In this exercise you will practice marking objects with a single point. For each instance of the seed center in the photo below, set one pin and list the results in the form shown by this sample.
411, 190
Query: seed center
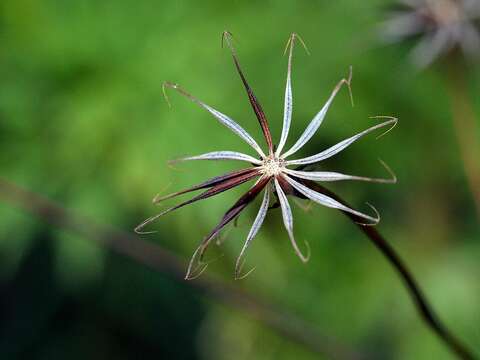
273, 166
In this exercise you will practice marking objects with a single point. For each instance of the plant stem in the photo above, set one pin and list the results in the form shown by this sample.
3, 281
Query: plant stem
464, 123
163, 261
422, 304
155, 257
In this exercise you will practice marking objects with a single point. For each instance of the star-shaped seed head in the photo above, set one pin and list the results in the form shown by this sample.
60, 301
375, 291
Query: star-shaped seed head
442, 27
271, 169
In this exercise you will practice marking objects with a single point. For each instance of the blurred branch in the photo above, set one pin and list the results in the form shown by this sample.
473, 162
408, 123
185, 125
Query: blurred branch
464, 123
161, 260
422, 304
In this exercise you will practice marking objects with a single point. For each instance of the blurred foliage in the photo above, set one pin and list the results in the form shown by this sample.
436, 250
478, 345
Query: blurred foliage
83, 121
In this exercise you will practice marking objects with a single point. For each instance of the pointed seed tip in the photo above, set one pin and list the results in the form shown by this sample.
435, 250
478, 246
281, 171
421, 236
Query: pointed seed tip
377, 214
290, 42
241, 277
226, 36
137, 231
303, 43
306, 258
393, 179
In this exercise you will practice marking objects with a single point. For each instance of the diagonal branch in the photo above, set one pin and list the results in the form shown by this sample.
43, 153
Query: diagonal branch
422, 304
465, 124
155, 257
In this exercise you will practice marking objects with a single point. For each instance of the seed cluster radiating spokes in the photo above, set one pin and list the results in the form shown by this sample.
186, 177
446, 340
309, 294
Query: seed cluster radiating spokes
271, 171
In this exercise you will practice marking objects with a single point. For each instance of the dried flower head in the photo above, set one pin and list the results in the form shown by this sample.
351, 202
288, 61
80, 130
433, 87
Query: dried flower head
441, 25
272, 169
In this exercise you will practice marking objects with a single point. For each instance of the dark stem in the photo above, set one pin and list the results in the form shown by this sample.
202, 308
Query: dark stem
424, 308
161, 260
257, 108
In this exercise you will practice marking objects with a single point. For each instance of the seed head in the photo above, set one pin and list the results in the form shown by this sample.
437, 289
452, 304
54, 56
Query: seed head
441, 27
272, 166
273, 171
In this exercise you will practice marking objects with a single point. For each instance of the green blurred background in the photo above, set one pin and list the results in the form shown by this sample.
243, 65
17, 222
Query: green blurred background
83, 121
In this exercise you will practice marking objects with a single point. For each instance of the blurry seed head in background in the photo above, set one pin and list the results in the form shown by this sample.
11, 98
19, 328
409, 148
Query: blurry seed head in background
438, 26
